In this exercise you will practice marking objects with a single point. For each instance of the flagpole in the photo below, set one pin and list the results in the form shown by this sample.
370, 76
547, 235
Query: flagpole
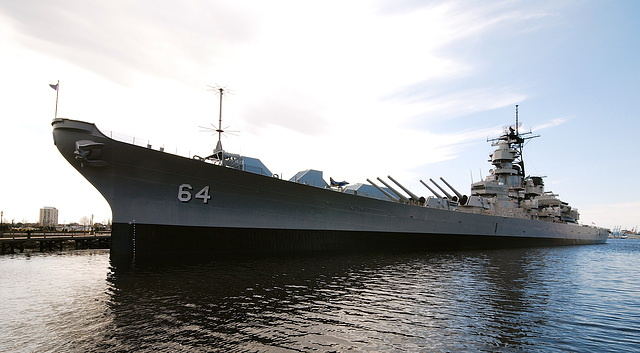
57, 93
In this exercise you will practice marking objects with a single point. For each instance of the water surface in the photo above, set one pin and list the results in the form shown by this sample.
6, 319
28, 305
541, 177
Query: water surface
579, 298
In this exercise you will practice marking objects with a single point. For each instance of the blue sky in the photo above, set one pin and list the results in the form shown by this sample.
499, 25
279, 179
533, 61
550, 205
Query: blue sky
359, 89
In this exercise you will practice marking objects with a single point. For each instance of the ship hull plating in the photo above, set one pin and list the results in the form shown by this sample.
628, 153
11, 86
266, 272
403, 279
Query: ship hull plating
154, 240
167, 204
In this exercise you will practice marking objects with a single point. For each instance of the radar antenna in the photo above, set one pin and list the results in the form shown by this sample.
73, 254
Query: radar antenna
516, 140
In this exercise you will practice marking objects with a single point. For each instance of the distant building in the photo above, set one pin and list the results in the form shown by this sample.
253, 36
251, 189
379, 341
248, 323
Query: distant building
48, 217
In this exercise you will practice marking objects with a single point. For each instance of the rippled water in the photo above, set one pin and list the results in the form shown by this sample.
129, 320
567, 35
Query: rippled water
582, 298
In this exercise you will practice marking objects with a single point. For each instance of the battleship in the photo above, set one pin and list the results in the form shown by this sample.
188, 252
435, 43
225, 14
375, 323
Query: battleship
226, 203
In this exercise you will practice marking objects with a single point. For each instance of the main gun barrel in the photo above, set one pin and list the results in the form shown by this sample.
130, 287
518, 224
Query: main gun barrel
430, 189
451, 187
462, 199
391, 197
413, 196
441, 189
404, 198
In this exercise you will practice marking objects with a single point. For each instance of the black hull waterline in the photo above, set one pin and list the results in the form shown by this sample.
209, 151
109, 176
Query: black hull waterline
185, 241
165, 204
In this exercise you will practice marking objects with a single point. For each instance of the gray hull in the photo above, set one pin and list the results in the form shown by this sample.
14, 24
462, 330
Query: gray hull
163, 203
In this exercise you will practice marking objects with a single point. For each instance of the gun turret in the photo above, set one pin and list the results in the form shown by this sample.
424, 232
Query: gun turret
462, 198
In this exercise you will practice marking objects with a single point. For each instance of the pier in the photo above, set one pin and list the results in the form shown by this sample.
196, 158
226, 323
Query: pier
49, 241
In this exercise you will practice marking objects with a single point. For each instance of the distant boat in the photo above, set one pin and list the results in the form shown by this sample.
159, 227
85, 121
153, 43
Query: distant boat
228, 203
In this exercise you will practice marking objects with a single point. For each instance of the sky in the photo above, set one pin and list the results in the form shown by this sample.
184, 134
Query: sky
357, 89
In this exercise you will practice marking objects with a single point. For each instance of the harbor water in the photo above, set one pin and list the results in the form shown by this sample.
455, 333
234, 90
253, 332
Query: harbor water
559, 299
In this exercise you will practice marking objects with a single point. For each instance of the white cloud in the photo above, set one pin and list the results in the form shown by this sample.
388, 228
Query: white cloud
551, 123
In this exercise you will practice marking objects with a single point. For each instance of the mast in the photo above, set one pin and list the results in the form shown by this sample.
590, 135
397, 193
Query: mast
57, 88
219, 130
516, 119
218, 151
57, 93
523, 175
519, 143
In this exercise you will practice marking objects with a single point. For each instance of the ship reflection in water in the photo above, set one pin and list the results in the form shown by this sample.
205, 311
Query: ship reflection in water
555, 299
486, 300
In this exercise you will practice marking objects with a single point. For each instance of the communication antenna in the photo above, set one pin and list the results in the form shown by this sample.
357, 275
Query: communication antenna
219, 90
